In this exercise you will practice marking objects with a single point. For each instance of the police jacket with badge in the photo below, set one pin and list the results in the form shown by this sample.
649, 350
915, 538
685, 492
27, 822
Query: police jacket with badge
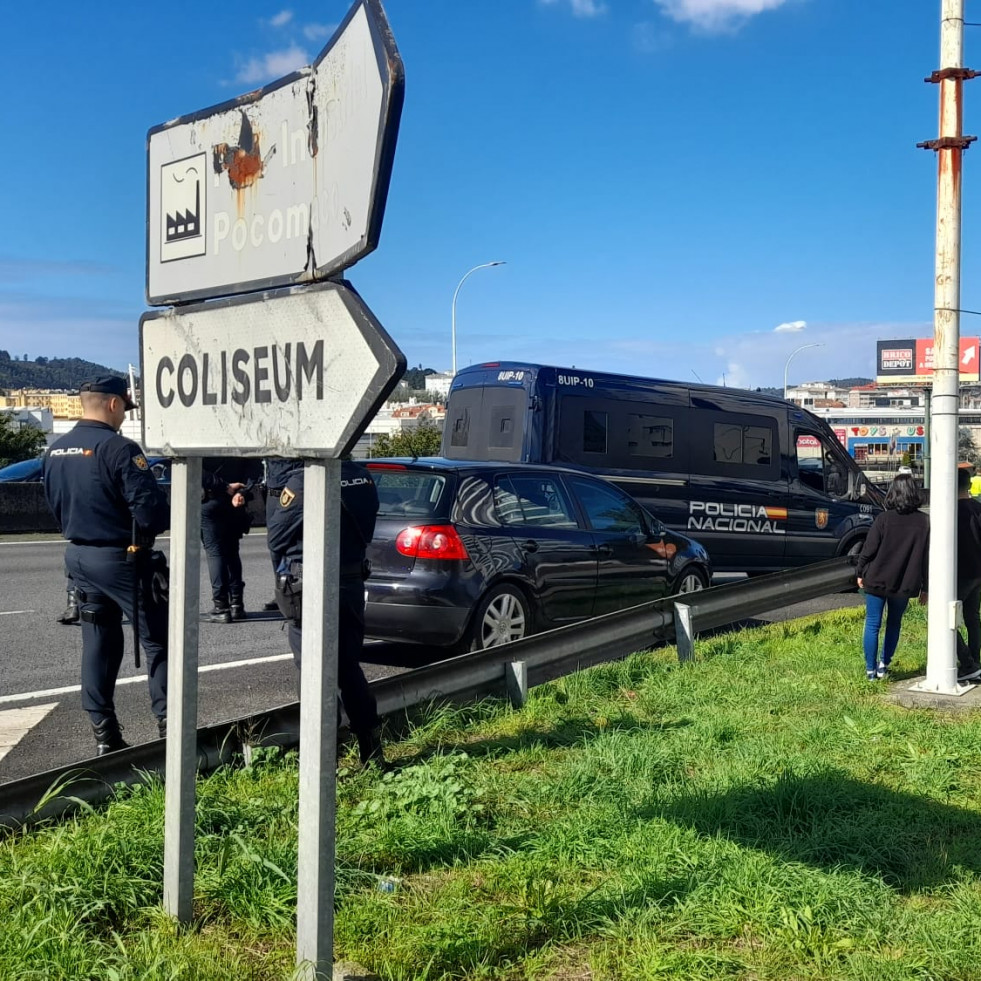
216, 474
97, 483
359, 508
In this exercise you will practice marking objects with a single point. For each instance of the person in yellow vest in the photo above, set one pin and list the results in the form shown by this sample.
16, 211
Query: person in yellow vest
976, 485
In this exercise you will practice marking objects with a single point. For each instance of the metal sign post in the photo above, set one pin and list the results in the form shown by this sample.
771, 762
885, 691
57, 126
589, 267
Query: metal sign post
318, 720
182, 688
282, 187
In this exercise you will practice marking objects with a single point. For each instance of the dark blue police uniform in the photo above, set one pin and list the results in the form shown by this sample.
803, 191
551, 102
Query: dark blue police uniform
278, 472
222, 527
97, 484
359, 508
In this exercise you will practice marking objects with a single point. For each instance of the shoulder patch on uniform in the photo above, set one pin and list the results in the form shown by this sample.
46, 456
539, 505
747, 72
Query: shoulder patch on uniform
139, 461
286, 498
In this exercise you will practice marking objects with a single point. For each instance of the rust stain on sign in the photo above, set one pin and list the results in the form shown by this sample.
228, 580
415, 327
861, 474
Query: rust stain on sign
243, 162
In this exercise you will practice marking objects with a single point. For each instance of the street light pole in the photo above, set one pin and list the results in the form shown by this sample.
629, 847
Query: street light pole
786, 367
483, 265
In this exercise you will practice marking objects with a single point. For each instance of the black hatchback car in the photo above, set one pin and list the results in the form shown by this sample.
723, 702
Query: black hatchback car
472, 555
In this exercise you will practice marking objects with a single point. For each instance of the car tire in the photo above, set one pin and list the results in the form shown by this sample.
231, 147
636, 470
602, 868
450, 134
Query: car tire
691, 580
502, 615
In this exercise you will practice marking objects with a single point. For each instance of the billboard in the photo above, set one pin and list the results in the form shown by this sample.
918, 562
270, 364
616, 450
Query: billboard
910, 362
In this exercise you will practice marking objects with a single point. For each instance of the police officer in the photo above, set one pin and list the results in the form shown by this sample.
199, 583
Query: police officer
224, 520
278, 472
70, 615
100, 489
359, 507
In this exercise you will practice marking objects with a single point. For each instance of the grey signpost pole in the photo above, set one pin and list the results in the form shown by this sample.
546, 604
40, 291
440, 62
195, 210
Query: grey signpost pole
318, 719
182, 687
297, 371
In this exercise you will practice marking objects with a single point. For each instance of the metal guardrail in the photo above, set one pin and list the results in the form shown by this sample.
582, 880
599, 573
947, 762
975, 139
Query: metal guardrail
498, 670
720, 605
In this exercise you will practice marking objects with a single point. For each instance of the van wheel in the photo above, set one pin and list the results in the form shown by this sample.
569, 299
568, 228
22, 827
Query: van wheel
503, 615
692, 580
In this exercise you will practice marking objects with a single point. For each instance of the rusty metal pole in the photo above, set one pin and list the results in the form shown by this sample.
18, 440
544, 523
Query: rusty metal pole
944, 609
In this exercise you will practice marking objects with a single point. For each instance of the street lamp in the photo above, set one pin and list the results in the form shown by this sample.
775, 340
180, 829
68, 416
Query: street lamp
803, 347
483, 265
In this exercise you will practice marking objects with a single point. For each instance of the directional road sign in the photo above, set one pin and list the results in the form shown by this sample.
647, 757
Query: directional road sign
284, 185
297, 373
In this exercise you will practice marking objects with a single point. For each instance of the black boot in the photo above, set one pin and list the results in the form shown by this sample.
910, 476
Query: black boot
237, 608
108, 736
71, 611
162, 727
220, 614
370, 748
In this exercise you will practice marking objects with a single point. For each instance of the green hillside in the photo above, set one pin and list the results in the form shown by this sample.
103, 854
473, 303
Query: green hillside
59, 373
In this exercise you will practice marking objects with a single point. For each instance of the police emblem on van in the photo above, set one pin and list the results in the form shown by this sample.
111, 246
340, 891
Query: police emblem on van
821, 518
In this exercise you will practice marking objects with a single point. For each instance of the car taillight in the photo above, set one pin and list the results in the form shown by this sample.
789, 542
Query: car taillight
431, 542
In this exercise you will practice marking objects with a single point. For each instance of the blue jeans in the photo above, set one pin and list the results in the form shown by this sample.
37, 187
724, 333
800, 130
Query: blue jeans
874, 608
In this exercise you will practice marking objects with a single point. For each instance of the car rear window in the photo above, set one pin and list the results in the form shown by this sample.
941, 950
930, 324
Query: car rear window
403, 493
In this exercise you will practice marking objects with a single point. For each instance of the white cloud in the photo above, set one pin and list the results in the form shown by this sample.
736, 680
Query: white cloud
715, 15
271, 66
580, 8
282, 18
648, 38
791, 327
318, 32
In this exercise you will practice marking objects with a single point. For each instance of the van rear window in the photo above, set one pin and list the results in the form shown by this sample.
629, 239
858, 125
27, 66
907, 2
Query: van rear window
485, 424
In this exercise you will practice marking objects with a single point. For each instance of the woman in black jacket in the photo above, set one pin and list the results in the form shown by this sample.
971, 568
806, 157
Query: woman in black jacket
892, 568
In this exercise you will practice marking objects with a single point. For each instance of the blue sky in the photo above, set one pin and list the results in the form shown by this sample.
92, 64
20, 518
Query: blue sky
668, 181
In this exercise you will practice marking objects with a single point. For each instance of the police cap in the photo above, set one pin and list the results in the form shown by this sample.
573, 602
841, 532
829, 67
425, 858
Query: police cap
110, 385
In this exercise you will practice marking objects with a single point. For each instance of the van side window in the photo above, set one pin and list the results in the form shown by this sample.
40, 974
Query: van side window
748, 445
649, 435
594, 431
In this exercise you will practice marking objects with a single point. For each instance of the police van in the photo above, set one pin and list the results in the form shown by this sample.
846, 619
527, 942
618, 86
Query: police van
763, 484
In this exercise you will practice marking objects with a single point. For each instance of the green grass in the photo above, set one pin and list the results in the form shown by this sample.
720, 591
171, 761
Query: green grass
764, 813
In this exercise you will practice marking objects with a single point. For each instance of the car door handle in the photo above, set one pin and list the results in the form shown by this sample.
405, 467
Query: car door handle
530, 545
605, 550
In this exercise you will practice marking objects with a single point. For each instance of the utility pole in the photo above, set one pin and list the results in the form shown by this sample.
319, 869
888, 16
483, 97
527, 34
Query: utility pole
944, 609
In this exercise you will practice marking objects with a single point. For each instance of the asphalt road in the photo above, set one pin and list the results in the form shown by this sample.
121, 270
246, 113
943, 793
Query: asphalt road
245, 667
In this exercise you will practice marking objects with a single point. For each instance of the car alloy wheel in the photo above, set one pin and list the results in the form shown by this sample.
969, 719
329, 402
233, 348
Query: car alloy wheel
690, 581
503, 616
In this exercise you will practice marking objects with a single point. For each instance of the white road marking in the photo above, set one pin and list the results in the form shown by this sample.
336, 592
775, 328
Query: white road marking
15, 724
28, 696
10, 613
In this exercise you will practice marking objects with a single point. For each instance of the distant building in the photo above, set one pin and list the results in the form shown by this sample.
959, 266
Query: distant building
399, 417
63, 404
439, 383
810, 394
39, 418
